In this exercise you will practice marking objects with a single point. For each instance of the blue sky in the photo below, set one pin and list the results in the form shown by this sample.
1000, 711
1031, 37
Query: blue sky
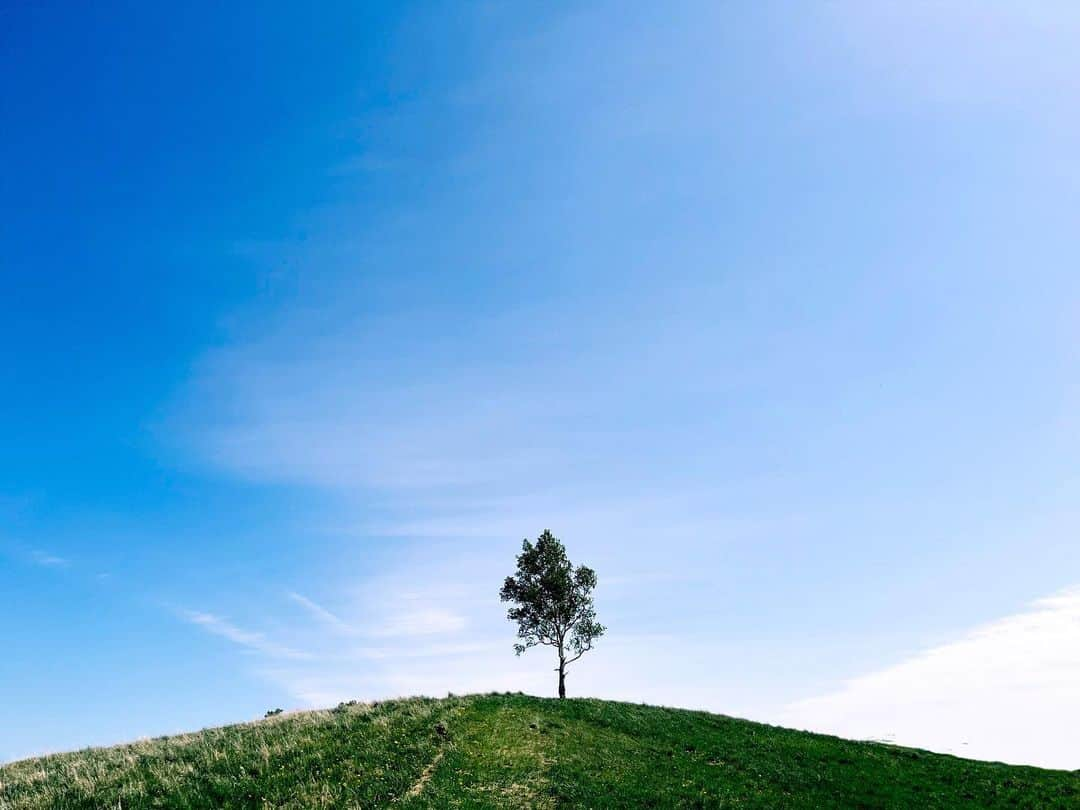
309, 316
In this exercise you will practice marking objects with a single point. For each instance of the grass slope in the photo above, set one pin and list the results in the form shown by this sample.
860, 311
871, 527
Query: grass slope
517, 751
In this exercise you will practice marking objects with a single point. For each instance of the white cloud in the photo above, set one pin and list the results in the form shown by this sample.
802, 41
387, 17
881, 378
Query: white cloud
254, 641
1008, 690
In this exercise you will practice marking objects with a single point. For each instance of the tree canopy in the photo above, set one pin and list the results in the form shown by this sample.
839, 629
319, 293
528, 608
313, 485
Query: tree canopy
552, 602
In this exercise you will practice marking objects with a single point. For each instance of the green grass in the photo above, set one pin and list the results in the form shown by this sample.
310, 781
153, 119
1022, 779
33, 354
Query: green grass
516, 751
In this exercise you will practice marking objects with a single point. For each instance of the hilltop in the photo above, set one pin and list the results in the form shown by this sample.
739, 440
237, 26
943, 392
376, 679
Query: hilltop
508, 751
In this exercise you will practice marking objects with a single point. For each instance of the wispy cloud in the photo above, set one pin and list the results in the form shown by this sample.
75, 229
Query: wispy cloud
251, 640
998, 692
413, 621
423, 651
366, 163
47, 560
332, 621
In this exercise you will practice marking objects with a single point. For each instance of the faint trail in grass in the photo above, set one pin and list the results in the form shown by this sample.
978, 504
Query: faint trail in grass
497, 758
425, 777
526, 754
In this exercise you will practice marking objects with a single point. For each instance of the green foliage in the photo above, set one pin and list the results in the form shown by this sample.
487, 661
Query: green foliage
552, 602
512, 751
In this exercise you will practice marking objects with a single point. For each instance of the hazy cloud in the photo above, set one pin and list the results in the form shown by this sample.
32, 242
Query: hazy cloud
428, 621
1003, 691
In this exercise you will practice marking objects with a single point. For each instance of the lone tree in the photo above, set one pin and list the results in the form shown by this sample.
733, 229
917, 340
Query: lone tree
553, 602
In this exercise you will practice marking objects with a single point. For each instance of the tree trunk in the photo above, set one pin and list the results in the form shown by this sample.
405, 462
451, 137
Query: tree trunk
562, 679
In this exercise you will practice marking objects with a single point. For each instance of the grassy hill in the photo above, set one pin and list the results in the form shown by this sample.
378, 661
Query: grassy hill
516, 751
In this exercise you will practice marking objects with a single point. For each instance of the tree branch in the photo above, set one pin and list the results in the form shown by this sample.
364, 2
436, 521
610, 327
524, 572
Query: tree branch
583, 651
